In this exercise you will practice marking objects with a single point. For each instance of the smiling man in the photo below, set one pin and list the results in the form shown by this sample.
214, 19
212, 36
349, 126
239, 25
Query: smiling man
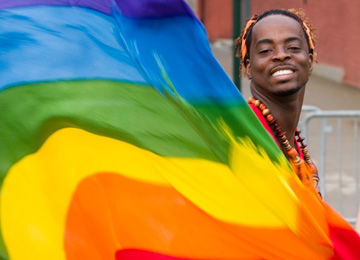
276, 50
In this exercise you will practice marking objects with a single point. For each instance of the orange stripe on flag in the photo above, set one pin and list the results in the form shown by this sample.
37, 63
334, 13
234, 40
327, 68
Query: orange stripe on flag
110, 212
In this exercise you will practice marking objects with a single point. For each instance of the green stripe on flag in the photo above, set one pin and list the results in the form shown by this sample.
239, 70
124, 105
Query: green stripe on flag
136, 114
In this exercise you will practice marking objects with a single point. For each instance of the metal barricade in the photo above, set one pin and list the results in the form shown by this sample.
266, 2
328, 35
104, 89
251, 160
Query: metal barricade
333, 141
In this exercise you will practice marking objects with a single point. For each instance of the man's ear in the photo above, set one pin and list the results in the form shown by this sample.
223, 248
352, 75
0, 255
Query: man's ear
248, 69
311, 62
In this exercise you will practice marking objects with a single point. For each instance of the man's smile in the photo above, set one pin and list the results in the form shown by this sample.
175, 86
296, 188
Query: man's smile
282, 72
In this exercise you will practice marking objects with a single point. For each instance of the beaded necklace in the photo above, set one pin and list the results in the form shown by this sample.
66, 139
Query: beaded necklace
301, 166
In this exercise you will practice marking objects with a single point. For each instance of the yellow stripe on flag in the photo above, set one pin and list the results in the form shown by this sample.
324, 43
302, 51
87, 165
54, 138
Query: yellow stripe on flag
38, 190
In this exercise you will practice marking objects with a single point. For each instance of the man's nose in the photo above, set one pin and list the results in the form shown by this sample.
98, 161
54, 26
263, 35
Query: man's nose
280, 54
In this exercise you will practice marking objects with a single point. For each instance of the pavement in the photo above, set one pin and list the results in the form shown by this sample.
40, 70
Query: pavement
341, 157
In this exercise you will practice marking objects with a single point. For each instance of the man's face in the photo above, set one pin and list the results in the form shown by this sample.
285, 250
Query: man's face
280, 62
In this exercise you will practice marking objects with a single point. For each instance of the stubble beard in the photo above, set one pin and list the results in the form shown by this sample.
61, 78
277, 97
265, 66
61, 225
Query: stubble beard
287, 92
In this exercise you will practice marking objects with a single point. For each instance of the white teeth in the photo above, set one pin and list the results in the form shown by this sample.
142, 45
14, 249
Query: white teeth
282, 72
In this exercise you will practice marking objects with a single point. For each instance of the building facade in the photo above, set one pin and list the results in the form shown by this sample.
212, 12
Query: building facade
336, 22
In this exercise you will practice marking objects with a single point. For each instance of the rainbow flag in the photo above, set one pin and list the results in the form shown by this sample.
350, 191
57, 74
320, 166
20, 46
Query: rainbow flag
122, 138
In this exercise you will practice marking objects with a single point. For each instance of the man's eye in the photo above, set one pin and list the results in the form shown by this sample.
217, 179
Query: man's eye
294, 48
264, 51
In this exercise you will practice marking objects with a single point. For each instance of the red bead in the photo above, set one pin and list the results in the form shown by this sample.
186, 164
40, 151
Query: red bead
270, 118
281, 133
272, 122
262, 107
301, 139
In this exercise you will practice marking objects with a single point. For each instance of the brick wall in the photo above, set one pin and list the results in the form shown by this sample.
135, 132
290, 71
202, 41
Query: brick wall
337, 23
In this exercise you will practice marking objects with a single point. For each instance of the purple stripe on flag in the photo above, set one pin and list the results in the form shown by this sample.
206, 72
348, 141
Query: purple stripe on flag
129, 8
98, 5
153, 8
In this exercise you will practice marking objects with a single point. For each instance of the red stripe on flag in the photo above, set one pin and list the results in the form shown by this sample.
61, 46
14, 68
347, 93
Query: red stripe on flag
135, 254
346, 244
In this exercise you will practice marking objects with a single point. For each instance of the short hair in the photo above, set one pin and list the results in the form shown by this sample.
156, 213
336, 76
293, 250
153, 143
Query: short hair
243, 42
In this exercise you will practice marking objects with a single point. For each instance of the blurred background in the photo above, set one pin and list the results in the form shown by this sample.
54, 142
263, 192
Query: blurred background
331, 115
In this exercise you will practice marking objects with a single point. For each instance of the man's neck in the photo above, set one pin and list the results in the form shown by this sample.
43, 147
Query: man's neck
285, 109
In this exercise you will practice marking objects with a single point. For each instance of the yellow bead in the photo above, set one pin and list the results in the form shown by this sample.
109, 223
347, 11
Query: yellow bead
265, 112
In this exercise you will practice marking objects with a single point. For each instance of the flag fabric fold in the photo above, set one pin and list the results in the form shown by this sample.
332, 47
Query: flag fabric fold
123, 138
